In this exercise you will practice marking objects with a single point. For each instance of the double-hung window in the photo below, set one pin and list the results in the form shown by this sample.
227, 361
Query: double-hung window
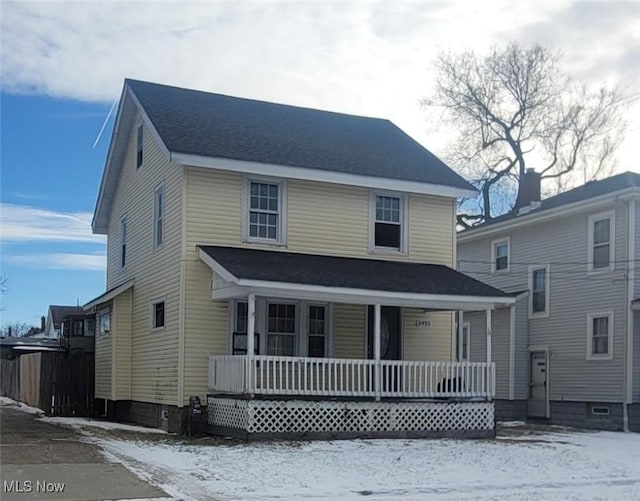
265, 211
158, 216
388, 223
500, 254
281, 329
601, 231
600, 335
123, 241
539, 291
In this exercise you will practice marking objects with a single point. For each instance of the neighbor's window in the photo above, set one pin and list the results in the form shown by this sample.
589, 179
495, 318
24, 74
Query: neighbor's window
601, 241
539, 290
123, 241
600, 335
265, 211
501, 255
388, 222
158, 216
77, 329
140, 146
89, 327
281, 329
317, 339
157, 314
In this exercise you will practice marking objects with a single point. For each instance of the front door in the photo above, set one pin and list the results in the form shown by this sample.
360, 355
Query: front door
538, 385
389, 333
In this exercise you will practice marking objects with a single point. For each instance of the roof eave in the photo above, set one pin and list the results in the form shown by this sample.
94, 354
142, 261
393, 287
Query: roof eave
547, 214
321, 175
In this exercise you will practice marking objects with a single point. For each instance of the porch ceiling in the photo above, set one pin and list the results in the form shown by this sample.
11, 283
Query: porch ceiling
348, 280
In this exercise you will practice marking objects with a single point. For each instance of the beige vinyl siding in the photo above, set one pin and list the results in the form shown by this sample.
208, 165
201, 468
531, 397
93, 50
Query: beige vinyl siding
426, 343
122, 345
154, 354
103, 365
349, 331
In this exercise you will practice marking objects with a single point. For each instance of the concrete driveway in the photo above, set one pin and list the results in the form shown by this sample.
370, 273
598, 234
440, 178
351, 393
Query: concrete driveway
45, 461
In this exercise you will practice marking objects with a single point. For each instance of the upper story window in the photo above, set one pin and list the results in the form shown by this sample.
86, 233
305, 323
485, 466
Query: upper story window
265, 211
140, 145
539, 291
388, 229
601, 232
158, 216
123, 241
500, 255
600, 335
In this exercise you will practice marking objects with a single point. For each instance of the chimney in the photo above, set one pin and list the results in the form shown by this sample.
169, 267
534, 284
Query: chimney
529, 191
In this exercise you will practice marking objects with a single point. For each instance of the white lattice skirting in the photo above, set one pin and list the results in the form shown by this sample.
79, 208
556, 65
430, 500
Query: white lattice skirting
278, 417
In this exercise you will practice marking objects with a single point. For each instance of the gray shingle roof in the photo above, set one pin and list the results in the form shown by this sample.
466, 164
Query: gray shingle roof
332, 271
581, 193
215, 125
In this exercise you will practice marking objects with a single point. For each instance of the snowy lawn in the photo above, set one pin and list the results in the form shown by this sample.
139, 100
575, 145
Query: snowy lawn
522, 464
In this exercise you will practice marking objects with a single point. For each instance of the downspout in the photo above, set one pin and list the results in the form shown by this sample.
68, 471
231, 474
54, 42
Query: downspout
631, 271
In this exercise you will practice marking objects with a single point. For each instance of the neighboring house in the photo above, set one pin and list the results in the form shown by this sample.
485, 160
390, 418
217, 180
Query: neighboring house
330, 237
72, 323
569, 350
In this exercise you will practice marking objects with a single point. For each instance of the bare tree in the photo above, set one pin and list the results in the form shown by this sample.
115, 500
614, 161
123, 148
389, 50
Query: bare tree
15, 329
514, 109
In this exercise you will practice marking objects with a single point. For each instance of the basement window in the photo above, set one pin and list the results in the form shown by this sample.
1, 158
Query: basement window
600, 410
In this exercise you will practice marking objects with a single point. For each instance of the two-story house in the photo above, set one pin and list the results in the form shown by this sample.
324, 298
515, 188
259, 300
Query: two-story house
569, 350
330, 238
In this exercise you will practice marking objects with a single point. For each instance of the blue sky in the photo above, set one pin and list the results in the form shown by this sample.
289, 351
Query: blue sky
50, 177
63, 65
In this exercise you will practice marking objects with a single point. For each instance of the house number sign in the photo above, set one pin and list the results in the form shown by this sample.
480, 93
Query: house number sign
423, 323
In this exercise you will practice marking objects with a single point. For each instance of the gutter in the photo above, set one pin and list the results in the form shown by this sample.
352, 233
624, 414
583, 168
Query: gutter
631, 278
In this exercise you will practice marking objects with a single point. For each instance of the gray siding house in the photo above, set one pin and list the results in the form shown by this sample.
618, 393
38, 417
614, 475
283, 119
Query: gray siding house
569, 349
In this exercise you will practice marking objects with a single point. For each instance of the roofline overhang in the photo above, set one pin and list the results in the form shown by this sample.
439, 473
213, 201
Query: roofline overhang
631, 192
234, 287
109, 295
320, 175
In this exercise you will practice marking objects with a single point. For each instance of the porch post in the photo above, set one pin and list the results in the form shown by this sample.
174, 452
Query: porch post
460, 336
489, 371
376, 351
251, 327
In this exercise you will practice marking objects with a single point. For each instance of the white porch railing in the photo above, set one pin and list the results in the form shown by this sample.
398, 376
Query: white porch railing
341, 377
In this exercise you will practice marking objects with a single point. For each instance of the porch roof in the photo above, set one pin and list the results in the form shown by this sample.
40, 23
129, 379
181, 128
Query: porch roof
345, 279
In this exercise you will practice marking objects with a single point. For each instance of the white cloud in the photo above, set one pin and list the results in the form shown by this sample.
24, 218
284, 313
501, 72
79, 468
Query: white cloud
66, 261
370, 58
20, 223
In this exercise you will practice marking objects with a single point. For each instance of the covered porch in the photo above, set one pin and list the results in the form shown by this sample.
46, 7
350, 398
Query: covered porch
401, 393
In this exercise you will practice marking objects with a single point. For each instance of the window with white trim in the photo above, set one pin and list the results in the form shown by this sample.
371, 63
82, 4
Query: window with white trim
240, 322
104, 321
463, 342
500, 255
388, 222
140, 145
601, 231
123, 241
600, 335
538, 291
317, 331
265, 211
157, 314
281, 329
158, 216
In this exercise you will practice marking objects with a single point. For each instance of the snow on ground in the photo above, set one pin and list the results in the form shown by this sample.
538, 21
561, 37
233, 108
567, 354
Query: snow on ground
20, 406
104, 425
520, 465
